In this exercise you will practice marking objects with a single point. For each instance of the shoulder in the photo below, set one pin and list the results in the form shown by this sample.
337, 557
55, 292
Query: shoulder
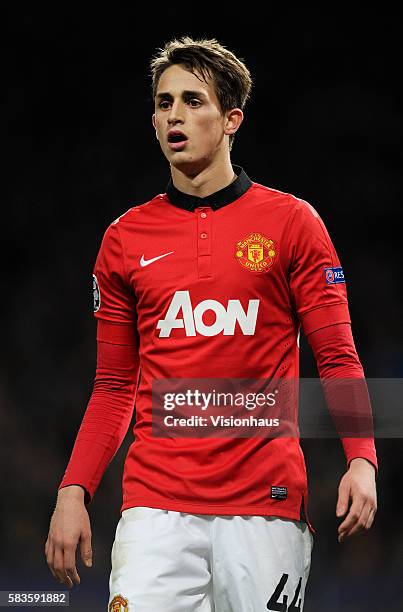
282, 198
131, 215
113, 238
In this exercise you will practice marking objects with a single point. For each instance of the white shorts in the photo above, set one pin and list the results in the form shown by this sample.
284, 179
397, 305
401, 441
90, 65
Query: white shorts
169, 561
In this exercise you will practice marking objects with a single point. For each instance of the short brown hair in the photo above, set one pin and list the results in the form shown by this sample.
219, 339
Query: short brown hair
231, 78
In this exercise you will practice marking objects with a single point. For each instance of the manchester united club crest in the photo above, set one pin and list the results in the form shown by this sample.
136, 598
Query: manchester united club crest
118, 604
256, 252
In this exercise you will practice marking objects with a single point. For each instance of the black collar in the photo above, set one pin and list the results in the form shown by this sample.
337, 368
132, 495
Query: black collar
220, 198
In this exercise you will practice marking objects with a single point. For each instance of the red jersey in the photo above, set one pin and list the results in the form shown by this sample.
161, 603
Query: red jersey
217, 287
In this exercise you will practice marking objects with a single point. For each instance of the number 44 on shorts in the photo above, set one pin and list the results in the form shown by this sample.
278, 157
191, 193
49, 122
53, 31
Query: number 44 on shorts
274, 604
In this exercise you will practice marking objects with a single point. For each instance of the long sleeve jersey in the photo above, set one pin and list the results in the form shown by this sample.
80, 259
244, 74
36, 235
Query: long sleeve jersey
215, 287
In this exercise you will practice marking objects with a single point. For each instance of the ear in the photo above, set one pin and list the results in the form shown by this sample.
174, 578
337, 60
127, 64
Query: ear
153, 120
234, 118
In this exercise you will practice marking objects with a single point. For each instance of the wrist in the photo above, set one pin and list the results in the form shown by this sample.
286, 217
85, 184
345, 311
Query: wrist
361, 461
72, 492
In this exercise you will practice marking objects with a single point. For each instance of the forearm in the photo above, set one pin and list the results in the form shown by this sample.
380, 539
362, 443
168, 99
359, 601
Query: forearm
107, 417
345, 390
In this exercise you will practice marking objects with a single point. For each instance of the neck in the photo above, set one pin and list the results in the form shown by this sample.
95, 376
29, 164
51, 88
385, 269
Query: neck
212, 178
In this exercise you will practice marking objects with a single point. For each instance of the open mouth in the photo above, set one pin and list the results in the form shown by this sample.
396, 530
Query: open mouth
177, 140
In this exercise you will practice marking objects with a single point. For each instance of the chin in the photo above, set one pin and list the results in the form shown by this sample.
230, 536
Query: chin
187, 163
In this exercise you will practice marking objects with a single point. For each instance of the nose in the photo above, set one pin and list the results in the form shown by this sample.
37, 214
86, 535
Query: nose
176, 114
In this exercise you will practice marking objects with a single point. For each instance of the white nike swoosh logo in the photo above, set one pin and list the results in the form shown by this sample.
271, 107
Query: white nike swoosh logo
146, 262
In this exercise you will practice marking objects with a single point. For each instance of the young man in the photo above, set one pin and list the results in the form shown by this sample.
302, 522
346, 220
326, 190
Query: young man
212, 279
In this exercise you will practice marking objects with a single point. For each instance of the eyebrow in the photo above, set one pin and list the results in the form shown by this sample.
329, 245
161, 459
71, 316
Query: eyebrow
187, 92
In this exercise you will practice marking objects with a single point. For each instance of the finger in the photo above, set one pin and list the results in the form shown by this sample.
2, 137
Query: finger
70, 564
351, 518
360, 524
59, 568
353, 514
86, 550
50, 559
370, 518
342, 501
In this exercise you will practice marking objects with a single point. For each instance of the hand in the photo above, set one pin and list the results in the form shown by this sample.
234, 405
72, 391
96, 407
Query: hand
358, 483
69, 525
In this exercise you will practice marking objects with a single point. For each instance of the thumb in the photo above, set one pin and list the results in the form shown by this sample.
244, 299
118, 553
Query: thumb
342, 502
86, 550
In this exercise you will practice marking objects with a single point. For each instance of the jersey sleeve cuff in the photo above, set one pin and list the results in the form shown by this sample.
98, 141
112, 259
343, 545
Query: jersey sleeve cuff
360, 447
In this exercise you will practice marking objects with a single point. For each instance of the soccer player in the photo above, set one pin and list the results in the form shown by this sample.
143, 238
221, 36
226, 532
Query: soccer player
212, 279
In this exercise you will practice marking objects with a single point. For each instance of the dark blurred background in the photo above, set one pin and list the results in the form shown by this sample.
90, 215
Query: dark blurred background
324, 122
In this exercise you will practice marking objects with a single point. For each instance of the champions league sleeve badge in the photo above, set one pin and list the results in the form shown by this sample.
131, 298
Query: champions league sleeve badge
334, 276
97, 293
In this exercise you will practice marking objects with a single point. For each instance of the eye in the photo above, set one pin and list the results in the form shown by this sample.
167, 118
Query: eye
197, 102
163, 102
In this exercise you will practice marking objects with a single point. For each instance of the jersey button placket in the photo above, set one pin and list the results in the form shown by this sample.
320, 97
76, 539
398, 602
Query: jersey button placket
204, 235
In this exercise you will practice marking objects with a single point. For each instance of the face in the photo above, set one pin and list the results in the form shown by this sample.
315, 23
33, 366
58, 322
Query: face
185, 104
